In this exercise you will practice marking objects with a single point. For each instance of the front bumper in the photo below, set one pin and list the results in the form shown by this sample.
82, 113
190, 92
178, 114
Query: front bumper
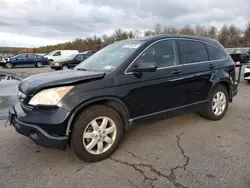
2, 64
37, 132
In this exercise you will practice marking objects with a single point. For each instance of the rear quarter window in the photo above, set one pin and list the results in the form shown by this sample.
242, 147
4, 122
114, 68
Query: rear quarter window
215, 53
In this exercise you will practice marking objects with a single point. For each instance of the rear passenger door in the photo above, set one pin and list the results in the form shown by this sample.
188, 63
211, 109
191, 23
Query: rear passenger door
30, 59
197, 68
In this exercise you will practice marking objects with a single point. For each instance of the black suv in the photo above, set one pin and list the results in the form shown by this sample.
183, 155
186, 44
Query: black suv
71, 61
91, 106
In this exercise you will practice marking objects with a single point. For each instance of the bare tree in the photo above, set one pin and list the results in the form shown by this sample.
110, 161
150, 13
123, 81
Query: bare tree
201, 31
187, 30
223, 36
158, 29
212, 32
246, 36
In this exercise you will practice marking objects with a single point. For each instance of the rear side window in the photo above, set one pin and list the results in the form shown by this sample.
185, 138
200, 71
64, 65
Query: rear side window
215, 53
192, 51
31, 56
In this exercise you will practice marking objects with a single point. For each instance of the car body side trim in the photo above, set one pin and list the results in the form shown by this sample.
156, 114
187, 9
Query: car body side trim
164, 111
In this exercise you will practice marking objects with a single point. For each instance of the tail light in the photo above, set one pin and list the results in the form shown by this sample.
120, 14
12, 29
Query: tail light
46, 58
234, 67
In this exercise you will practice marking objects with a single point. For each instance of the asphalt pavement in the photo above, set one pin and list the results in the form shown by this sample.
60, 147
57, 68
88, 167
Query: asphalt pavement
183, 151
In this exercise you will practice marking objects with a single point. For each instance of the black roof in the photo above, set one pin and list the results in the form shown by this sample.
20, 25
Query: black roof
159, 37
170, 36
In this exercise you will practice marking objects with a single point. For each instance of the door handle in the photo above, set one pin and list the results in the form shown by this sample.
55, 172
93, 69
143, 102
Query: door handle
176, 71
211, 66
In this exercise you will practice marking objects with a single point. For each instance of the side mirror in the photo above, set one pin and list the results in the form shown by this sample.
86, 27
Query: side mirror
144, 67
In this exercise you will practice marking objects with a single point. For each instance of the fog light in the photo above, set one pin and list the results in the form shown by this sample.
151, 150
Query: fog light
33, 135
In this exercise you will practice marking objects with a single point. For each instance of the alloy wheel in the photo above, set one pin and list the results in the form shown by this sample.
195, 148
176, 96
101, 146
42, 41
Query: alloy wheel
99, 135
219, 103
39, 64
9, 65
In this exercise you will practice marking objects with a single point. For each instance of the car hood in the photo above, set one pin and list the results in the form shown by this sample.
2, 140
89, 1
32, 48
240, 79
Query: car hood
35, 83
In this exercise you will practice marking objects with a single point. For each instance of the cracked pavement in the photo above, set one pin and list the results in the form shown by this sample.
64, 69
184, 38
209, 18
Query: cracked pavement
179, 152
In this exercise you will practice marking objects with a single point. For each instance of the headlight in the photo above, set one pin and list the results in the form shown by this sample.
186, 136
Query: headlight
50, 96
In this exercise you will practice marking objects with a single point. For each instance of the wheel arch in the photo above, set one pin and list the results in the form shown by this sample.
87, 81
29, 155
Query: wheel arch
227, 84
111, 102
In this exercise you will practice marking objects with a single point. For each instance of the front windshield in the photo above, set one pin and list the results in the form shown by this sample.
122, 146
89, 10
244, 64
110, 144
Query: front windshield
71, 56
51, 53
240, 51
110, 57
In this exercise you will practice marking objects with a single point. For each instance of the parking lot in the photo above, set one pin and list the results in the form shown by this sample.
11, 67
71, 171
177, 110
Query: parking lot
183, 151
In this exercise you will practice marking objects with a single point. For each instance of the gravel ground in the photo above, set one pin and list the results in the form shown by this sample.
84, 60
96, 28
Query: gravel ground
183, 151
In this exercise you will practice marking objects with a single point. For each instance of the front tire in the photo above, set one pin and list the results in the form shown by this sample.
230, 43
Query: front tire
217, 104
96, 133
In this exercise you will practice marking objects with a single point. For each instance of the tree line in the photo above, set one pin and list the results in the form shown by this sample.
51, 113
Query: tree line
230, 36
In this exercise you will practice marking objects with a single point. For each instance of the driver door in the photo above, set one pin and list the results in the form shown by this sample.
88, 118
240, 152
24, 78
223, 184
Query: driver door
57, 55
160, 91
78, 59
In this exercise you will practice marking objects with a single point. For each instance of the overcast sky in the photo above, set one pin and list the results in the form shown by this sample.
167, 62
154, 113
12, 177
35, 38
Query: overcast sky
34, 23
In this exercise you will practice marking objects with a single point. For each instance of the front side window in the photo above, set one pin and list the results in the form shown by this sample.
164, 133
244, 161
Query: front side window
21, 56
215, 53
110, 57
79, 57
57, 53
163, 53
192, 51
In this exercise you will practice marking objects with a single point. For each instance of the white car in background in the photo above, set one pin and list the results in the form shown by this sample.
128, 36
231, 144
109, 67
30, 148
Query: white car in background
247, 73
57, 55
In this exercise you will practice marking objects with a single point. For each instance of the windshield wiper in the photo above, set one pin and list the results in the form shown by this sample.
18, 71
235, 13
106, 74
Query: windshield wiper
81, 69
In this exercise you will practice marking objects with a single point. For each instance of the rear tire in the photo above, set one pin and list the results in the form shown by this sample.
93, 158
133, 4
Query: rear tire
39, 64
9, 65
217, 104
91, 140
